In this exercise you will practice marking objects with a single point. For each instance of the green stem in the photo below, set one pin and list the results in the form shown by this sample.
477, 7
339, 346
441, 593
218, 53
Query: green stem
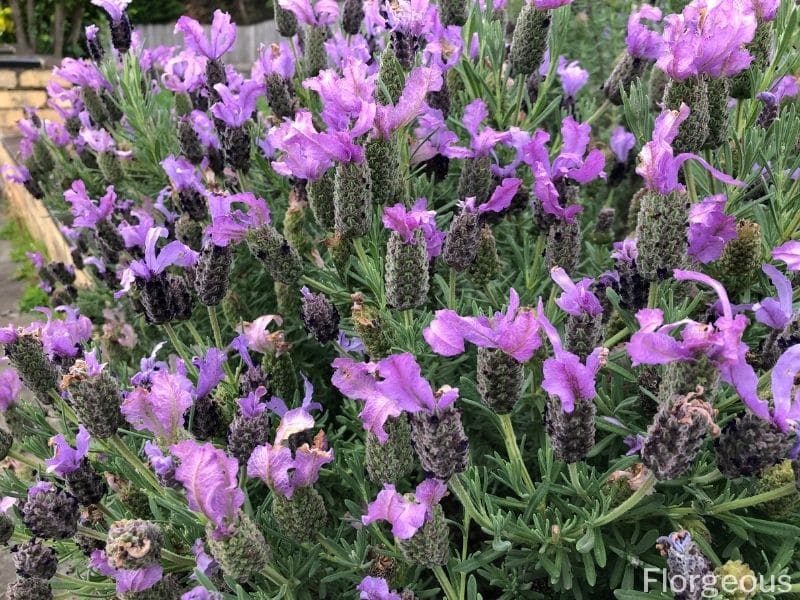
599, 112
514, 455
176, 344
91, 533
775, 494
574, 478
24, 460
274, 576
652, 295
616, 338
451, 290
212, 315
178, 560
444, 581
631, 502
134, 461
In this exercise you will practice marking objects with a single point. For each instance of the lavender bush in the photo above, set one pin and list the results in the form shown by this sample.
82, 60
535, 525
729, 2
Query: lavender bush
436, 301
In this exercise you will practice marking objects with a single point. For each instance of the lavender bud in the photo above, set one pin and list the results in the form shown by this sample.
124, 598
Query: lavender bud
34, 559
121, 34
315, 56
212, 273
302, 516
462, 241
282, 374
383, 159
352, 199
85, 484
748, 445
440, 442
133, 544
370, 328
391, 78
529, 41
571, 434
191, 147
295, 221
6, 528
243, 553
455, 87
740, 262
487, 263
440, 99
279, 96
281, 260
563, 245
718, 113
769, 112
677, 433
6, 441
94, 105
430, 545
207, 421
500, 379
760, 49
352, 16
685, 562
661, 234
236, 142
41, 155
693, 92
476, 179
406, 277
604, 225
394, 459
36, 371
51, 514
405, 48
320, 317
320, 199
774, 478
627, 70
215, 73
189, 231
454, 12
109, 241
96, 399
29, 588
246, 433
285, 20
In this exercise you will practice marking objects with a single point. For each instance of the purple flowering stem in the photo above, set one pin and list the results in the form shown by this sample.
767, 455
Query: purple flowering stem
514, 455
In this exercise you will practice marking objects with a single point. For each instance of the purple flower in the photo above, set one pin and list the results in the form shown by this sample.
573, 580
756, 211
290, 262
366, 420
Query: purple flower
129, 581
160, 409
643, 42
205, 563
210, 478
406, 515
572, 76
388, 388
63, 337
621, 143
174, 253
376, 588
82, 73
515, 331
163, 466
785, 87
707, 38
280, 468
15, 174
772, 312
721, 342
10, 387
57, 133
114, 8
657, 163
257, 336
411, 17
66, 459
313, 12
98, 140
569, 164
209, 371
136, 235
482, 139
347, 98
204, 128
431, 137
550, 4
766, 10
86, 213
785, 393
236, 109
411, 103
710, 229
444, 45
274, 59
229, 224
500, 200
565, 376
200, 593
184, 73
577, 299
406, 222
39, 487
222, 38
789, 253
251, 406
181, 173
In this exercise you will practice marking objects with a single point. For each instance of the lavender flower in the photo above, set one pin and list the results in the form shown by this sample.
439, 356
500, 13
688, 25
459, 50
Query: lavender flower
221, 39
407, 516
572, 77
85, 212
657, 163
229, 224
209, 371
184, 73
129, 581
66, 459
406, 222
210, 478
772, 312
641, 41
313, 12
155, 263
571, 163
275, 59
515, 331
10, 387
577, 299
789, 253
376, 588
161, 408
710, 229
621, 144
482, 139
236, 109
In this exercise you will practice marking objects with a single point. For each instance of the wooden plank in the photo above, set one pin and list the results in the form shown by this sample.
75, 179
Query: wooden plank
37, 220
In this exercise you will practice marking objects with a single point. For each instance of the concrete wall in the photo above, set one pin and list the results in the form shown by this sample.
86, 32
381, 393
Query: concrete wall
243, 53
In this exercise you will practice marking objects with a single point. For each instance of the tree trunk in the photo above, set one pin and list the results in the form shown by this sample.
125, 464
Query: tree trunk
31, 19
76, 20
22, 45
58, 30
